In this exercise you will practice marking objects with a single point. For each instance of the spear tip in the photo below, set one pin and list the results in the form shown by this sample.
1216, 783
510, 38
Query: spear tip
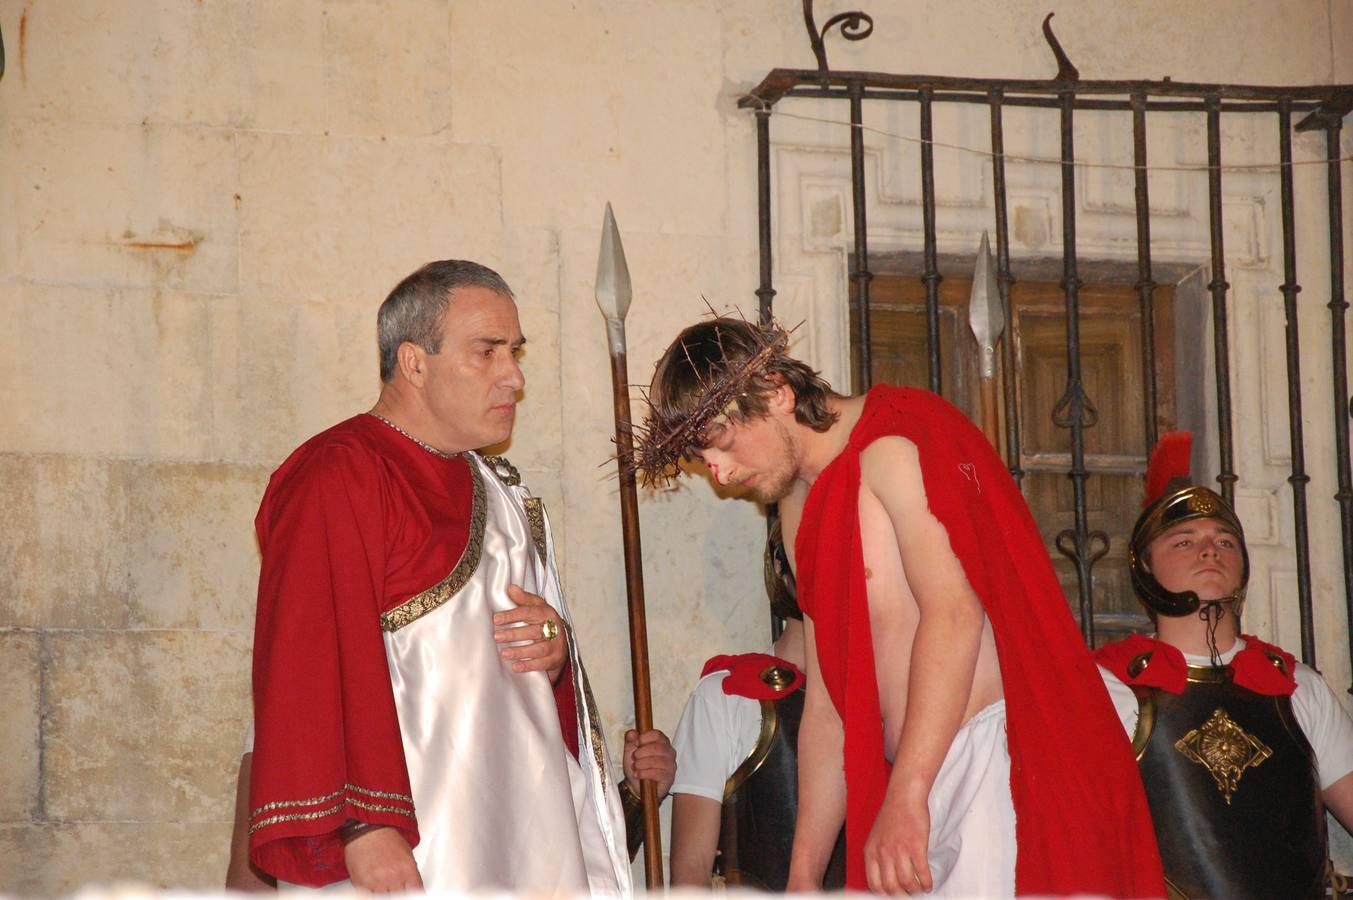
613, 289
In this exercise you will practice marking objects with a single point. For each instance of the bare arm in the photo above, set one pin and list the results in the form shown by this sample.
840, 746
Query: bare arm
822, 782
944, 658
1339, 801
695, 839
241, 874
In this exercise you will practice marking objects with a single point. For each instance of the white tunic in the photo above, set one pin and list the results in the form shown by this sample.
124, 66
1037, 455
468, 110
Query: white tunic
500, 801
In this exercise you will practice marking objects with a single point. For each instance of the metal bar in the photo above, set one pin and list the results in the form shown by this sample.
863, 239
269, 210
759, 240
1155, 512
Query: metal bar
1072, 409
779, 81
1146, 286
1004, 280
911, 96
931, 274
1226, 475
1338, 308
864, 371
1298, 479
765, 294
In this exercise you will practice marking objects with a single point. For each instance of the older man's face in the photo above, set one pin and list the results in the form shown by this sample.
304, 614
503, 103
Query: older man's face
472, 384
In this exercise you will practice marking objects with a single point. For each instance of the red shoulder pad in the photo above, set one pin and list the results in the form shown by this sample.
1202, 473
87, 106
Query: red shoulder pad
1164, 666
1265, 668
758, 676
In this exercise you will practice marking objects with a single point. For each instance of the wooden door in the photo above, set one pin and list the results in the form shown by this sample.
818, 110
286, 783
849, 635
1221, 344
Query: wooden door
1115, 447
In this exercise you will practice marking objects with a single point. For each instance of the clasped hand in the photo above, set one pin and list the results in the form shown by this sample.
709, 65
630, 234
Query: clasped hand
528, 623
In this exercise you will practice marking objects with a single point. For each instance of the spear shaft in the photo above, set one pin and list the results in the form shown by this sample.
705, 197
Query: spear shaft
613, 296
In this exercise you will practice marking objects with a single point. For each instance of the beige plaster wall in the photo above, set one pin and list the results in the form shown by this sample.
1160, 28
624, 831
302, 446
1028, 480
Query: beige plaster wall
202, 202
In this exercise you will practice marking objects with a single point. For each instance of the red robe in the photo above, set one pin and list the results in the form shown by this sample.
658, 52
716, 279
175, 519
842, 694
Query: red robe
356, 521
1082, 823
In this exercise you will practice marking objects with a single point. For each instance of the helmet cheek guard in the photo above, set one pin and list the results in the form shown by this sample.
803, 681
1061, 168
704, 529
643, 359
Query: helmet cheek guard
1175, 506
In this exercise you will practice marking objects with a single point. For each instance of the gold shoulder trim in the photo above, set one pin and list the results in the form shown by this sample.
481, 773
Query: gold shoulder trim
425, 602
503, 469
535, 517
770, 724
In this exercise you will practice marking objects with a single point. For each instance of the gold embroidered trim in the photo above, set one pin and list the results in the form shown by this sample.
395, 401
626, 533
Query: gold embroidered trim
312, 801
329, 798
506, 472
425, 602
1225, 749
594, 726
535, 516
321, 813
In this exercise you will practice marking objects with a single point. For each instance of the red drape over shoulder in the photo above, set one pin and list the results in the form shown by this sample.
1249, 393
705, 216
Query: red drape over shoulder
1082, 823
356, 521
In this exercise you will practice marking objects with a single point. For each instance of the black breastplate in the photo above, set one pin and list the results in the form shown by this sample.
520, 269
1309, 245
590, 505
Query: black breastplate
760, 805
1233, 791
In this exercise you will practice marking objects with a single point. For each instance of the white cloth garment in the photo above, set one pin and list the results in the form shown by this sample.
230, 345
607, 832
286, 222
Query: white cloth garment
717, 732
972, 817
1322, 719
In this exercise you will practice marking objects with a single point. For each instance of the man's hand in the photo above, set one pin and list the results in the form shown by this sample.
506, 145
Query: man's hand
381, 862
528, 623
895, 856
649, 756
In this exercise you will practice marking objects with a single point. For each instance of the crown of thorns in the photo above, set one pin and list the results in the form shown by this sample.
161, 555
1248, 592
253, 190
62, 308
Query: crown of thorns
664, 440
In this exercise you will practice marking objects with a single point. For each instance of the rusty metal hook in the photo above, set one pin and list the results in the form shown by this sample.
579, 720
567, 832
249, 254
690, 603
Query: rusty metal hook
1065, 70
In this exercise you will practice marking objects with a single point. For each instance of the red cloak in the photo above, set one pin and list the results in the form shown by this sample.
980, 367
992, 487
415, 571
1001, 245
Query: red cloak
1082, 825
1252, 668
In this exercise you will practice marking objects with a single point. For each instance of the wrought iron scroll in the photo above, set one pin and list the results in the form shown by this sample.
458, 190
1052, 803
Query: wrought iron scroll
1004, 281
855, 26
1298, 479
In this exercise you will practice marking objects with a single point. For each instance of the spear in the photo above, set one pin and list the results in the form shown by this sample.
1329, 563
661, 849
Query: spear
613, 296
987, 319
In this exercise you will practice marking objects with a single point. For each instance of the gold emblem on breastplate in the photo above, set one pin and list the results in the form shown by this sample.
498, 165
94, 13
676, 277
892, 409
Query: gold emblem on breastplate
1225, 749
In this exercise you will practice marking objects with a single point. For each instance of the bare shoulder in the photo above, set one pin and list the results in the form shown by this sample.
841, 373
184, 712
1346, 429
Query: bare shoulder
890, 469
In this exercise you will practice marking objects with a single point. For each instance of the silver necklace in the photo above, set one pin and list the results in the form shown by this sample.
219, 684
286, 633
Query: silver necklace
426, 446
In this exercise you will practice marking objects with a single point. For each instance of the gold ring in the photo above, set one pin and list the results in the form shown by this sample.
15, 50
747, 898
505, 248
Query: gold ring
548, 630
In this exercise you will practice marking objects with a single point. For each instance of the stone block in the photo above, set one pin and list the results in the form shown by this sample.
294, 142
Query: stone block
284, 369
283, 66
57, 860
335, 217
185, 554
652, 136
388, 70
132, 378
120, 205
55, 566
92, 61
20, 685
144, 726
188, 544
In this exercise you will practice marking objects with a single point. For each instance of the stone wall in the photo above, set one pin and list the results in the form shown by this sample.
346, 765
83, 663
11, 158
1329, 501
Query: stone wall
203, 201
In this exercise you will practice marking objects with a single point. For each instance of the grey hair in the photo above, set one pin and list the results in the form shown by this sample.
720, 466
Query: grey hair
415, 309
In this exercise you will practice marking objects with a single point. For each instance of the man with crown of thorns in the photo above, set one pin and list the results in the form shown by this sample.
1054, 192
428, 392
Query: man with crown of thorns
954, 718
1241, 748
